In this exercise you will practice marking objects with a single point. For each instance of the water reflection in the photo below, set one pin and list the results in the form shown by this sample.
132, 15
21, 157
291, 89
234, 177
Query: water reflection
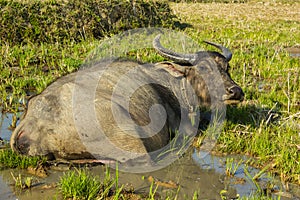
248, 187
5, 122
5, 191
5, 133
218, 164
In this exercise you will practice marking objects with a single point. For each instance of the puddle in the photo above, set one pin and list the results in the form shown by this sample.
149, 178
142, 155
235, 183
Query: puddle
5, 122
243, 184
205, 175
40, 189
5, 190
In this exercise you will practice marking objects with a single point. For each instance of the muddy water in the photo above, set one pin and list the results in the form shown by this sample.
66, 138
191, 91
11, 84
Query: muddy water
191, 173
190, 176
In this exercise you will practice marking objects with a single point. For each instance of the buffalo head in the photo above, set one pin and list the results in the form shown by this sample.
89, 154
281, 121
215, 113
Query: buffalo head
200, 69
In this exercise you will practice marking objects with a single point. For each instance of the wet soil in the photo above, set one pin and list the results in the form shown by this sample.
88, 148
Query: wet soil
182, 178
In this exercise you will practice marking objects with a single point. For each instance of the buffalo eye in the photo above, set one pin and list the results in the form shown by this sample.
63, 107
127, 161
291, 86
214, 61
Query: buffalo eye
204, 68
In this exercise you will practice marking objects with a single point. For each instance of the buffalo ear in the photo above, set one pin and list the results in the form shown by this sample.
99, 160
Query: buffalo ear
174, 69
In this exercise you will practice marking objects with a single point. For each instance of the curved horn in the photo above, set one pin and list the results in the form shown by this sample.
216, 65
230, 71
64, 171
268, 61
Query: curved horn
225, 51
177, 57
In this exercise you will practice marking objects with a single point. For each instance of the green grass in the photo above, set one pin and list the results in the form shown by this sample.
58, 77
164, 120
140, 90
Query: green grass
22, 182
79, 184
266, 125
10, 159
30, 68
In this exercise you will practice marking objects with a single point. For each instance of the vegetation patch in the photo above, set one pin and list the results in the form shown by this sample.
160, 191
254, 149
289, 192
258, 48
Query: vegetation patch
10, 159
57, 21
27, 69
266, 125
81, 184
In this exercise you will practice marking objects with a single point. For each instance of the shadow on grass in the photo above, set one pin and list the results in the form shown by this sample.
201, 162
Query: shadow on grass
182, 25
251, 115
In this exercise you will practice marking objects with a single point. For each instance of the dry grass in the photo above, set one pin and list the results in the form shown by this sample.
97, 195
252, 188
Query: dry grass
245, 11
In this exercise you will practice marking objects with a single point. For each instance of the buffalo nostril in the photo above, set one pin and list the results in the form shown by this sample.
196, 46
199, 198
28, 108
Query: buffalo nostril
22, 143
234, 90
236, 93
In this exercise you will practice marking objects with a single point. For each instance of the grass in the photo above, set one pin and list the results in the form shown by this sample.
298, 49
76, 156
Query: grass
80, 184
21, 182
231, 166
27, 69
265, 126
10, 159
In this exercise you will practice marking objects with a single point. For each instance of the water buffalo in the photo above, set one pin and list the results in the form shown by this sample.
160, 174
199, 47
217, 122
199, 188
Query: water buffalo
50, 126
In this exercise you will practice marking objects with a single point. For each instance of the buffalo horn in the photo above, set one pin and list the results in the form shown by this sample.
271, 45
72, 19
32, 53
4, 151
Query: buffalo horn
177, 57
225, 51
